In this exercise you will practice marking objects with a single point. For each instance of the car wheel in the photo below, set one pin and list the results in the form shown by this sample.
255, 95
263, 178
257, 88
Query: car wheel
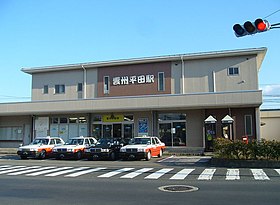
113, 156
79, 155
23, 157
160, 153
43, 154
149, 156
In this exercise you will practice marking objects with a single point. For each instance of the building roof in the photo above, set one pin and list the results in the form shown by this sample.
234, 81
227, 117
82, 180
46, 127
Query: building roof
260, 52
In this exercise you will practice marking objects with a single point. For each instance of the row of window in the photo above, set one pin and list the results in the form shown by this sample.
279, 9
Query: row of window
60, 88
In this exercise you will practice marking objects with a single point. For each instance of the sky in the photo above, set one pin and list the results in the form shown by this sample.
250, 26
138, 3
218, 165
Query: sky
37, 33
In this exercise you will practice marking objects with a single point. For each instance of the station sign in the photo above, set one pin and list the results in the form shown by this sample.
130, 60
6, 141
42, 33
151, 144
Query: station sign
135, 79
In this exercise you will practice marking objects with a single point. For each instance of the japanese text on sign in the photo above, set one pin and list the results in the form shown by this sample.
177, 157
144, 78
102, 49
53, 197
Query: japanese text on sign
140, 79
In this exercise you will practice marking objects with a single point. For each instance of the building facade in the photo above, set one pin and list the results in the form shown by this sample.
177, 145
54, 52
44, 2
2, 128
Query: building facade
270, 121
186, 100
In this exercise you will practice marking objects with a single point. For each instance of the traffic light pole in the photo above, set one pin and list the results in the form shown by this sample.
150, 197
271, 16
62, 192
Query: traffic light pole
276, 25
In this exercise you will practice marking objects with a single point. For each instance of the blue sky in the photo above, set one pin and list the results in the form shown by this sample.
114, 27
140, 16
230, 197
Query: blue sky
38, 33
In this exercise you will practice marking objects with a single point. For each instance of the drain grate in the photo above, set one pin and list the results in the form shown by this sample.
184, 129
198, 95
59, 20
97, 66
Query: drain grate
178, 188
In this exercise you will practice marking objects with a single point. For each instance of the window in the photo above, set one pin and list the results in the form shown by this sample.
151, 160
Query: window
52, 142
58, 141
233, 71
54, 120
106, 84
80, 87
161, 84
248, 125
73, 119
46, 89
59, 89
63, 120
86, 142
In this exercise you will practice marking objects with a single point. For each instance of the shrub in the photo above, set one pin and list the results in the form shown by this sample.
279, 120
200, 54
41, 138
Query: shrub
257, 150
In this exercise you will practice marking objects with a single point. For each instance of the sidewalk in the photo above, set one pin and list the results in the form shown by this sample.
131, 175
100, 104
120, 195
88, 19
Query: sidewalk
186, 160
8, 151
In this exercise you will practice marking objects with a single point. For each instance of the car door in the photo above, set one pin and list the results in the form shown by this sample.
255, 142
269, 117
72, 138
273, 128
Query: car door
51, 145
155, 150
158, 145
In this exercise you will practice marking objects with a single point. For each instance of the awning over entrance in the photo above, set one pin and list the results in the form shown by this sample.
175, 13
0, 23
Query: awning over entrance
227, 119
210, 119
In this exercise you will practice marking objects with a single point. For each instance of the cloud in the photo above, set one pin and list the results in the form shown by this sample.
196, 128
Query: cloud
271, 89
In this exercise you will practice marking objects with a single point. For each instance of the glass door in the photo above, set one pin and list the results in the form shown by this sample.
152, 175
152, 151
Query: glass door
165, 134
179, 133
107, 131
127, 132
117, 131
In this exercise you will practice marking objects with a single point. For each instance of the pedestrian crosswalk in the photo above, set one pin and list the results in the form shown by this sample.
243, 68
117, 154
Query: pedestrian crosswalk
147, 173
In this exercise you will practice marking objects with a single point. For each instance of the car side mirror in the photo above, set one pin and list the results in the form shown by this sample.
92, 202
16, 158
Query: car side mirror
20, 145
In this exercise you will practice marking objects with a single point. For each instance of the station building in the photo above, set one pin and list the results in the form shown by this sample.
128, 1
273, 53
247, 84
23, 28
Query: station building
186, 100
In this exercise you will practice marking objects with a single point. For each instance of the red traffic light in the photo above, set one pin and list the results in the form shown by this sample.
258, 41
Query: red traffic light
261, 25
250, 28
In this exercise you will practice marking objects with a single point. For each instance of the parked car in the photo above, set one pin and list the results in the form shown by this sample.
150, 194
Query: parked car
73, 148
41, 147
105, 148
142, 148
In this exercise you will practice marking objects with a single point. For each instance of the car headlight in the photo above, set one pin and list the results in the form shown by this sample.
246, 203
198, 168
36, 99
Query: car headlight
141, 150
70, 150
19, 149
33, 149
54, 150
104, 150
86, 150
122, 150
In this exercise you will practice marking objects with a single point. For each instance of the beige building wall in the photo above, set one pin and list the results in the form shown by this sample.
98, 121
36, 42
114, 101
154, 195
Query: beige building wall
70, 79
211, 75
195, 123
270, 125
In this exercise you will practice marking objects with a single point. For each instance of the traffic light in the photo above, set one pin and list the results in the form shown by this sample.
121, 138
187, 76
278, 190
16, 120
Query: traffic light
249, 28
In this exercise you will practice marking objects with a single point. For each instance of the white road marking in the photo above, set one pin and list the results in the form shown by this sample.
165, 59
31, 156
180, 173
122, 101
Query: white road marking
277, 170
76, 174
48, 171
182, 174
113, 173
207, 174
30, 170
158, 174
7, 168
136, 173
66, 171
259, 174
232, 174
18, 169
162, 160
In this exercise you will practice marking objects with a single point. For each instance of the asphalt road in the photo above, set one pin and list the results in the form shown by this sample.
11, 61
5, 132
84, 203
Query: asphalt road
92, 189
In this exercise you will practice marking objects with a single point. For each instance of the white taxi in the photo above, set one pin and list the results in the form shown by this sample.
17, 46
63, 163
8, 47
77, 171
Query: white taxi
142, 148
74, 147
41, 147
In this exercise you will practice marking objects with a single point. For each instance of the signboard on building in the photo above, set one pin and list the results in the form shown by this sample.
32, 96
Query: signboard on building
112, 118
139, 79
143, 128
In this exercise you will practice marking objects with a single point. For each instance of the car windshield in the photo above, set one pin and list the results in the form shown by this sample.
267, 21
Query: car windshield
40, 141
104, 141
75, 142
135, 141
